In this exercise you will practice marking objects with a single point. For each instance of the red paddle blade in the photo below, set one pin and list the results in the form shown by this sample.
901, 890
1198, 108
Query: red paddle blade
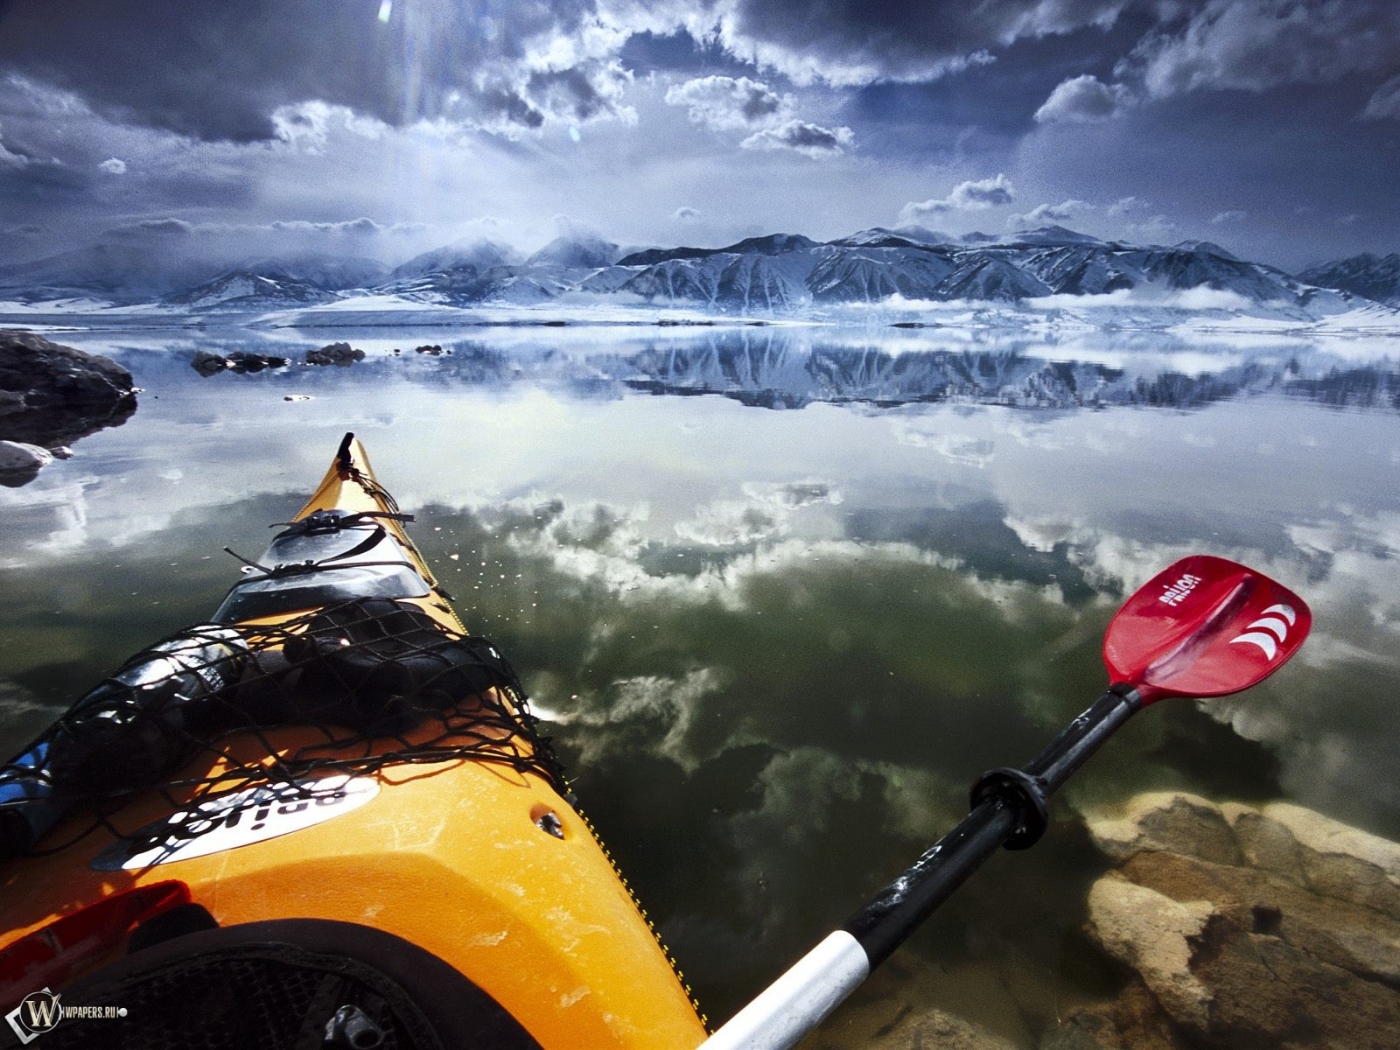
1204, 627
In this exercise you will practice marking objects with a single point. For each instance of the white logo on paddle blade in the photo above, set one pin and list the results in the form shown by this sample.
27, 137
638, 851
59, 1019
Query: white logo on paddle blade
1272, 629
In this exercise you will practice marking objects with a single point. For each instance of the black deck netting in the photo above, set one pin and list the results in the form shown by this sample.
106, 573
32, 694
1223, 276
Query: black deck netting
373, 682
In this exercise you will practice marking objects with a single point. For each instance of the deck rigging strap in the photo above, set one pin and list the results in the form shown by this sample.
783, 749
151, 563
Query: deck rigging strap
377, 681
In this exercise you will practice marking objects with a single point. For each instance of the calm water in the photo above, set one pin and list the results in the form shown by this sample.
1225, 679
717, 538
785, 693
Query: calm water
784, 593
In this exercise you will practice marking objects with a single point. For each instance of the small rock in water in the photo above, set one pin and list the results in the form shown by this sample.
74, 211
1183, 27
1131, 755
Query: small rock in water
341, 354
435, 350
209, 364
240, 362
296, 397
20, 462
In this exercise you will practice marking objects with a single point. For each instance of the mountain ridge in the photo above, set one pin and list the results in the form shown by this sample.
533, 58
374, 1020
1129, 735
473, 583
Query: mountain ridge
778, 273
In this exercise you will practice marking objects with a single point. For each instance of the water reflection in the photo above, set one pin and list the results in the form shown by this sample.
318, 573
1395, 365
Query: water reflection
776, 646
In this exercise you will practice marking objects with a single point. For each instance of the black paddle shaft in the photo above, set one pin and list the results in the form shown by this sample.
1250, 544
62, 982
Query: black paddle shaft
1008, 808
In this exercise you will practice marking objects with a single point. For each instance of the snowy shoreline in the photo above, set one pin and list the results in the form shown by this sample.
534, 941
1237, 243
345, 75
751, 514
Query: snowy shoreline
1370, 320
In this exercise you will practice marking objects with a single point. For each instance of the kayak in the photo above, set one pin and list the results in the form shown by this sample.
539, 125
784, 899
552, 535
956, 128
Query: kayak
323, 819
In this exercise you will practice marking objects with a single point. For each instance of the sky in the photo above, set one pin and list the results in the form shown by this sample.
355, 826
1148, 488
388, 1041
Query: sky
383, 128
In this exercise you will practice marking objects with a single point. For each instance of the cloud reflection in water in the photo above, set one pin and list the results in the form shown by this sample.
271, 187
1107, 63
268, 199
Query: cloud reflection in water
777, 645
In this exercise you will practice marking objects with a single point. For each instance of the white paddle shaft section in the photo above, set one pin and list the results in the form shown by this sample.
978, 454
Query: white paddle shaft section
797, 1001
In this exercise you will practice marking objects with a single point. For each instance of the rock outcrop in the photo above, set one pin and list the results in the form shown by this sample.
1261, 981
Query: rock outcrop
1243, 927
341, 354
52, 395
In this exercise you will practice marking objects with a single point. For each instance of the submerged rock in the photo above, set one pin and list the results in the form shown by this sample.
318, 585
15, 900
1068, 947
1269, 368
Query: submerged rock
1154, 935
1173, 822
894, 1011
930, 1029
1244, 927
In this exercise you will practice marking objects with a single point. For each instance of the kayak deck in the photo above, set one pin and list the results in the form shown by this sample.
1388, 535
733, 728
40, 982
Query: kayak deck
484, 864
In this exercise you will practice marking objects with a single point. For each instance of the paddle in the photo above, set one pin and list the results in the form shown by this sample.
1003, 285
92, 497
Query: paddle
1203, 627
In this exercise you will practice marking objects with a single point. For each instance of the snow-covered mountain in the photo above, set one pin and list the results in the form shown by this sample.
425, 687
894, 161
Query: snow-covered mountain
241, 290
1370, 276
472, 257
337, 273
576, 252
781, 273
874, 272
875, 264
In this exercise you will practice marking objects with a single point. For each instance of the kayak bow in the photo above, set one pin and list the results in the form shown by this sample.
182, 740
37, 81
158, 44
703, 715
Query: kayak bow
461, 880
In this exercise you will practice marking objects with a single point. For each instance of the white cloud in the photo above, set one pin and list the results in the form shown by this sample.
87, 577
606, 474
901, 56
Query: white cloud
1202, 297
1047, 213
11, 159
669, 703
113, 165
308, 126
686, 213
1083, 100
1157, 229
811, 140
1234, 215
724, 103
1126, 206
972, 195
1385, 103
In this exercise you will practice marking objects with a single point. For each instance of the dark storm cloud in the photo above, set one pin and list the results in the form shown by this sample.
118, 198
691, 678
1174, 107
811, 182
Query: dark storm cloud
859, 41
150, 229
219, 71
1255, 45
576, 92
31, 180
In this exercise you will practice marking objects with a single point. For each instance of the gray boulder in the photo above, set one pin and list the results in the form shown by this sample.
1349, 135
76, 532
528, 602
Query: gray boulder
340, 354
52, 395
